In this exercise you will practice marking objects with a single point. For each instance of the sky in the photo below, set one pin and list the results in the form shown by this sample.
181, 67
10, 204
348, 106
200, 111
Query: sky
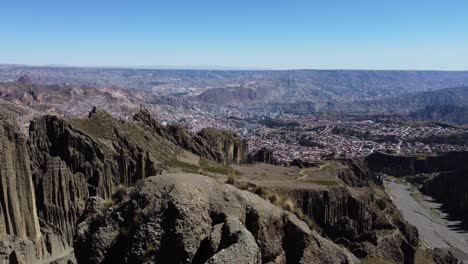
265, 34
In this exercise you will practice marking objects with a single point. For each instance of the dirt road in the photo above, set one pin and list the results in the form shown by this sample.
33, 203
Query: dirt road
434, 228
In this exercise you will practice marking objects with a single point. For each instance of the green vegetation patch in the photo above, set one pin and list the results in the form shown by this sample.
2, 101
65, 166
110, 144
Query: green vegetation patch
186, 167
205, 166
324, 182
215, 167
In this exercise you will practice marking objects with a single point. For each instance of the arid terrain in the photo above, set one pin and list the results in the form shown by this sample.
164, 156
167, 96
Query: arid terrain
97, 173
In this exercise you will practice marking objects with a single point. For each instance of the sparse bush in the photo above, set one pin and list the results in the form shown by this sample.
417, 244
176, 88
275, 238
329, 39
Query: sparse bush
120, 193
288, 205
274, 198
231, 179
107, 204
259, 191
242, 185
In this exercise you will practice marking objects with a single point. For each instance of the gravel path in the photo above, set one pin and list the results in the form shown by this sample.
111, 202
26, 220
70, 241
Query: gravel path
434, 229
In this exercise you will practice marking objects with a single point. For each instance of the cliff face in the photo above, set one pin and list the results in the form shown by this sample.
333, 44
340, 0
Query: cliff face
357, 173
18, 201
450, 188
405, 165
264, 155
188, 218
22, 238
214, 144
445, 176
361, 220
48, 178
224, 145
72, 160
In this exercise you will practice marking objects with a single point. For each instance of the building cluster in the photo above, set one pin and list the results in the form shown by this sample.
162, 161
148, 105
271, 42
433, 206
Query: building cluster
318, 137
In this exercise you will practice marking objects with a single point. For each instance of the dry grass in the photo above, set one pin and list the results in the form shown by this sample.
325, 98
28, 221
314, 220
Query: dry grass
289, 205
274, 198
323, 182
231, 179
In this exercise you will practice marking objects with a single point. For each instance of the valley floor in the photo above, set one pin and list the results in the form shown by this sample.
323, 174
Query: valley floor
435, 230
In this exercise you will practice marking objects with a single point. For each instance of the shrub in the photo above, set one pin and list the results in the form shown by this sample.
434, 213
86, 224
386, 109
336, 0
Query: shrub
242, 185
231, 179
288, 205
274, 198
119, 193
107, 203
259, 191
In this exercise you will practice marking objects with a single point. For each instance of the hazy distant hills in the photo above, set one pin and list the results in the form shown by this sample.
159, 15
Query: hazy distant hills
445, 113
27, 98
457, 96
449, 105
331, 86
249, 86
416, 94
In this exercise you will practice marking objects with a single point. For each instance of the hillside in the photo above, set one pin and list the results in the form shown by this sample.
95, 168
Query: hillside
245, 86
448, 105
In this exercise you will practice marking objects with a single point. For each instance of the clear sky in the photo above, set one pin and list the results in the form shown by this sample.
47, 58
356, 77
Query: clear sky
328, 34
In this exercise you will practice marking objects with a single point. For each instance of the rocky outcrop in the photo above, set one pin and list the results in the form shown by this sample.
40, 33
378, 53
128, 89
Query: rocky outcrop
22, 238
74, 159
304, 163
215, 144
356, 173
264, 155
440, 256
226, 146
366, 224
187, 218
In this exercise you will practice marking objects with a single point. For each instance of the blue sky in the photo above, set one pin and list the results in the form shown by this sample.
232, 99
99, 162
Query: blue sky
359, 34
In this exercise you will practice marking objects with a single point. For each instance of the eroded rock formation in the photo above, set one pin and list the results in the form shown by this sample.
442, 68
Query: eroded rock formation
450, 188
22, 238
365, 223
405, 165
443, 176
18, 201
188, 218
264, 155
75, 159
215, 144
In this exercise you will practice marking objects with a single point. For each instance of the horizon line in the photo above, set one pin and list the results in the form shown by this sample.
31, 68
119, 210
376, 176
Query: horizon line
212, 68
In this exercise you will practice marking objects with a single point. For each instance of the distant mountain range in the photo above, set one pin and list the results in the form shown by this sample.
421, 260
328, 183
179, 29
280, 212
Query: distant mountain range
416, 94
448, 105
269, 86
